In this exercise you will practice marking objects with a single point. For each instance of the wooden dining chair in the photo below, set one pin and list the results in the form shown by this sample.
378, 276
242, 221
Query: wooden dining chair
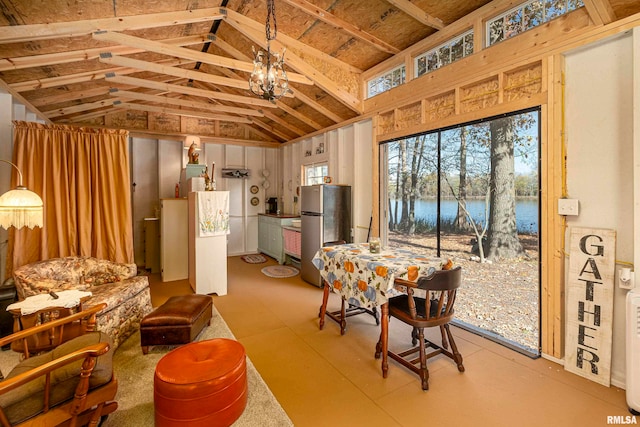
346, 309
435, 310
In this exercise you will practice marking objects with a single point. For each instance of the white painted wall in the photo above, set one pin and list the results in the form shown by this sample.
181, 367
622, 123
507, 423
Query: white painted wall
348, 151
599, 143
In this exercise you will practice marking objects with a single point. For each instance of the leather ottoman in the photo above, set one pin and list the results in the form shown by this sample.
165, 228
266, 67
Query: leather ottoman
177, 321
202, 384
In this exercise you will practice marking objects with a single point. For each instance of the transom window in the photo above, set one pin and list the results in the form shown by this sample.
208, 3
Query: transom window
451, 51
526, 16
314, 174
386, 81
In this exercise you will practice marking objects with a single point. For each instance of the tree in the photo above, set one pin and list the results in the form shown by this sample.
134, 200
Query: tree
502, 237
461, 222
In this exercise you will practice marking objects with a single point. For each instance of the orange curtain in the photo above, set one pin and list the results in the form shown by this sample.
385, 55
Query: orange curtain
82, 175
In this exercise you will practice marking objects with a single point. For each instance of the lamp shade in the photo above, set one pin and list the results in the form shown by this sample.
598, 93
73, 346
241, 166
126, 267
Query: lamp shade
20, 208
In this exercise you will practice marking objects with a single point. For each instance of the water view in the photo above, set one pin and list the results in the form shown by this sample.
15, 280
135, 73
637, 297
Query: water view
526, 212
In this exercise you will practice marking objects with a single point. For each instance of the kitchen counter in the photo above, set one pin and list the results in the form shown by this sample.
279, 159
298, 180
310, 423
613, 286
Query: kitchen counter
282, 216
270, 234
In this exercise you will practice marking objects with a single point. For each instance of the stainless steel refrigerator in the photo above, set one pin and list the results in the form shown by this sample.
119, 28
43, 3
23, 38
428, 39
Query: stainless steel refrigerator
326, 217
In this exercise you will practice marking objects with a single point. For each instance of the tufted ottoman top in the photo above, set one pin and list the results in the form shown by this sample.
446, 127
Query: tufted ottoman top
201, 384
208, 361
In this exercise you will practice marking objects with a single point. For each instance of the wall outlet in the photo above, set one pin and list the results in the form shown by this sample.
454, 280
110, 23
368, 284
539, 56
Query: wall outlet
567, 206
626, 278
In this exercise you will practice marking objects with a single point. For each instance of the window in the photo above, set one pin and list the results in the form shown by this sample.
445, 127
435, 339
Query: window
314, 174
451, 51
469, 193
386, 81
526, 16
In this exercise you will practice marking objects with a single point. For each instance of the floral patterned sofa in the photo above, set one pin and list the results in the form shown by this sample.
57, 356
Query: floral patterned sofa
126, 294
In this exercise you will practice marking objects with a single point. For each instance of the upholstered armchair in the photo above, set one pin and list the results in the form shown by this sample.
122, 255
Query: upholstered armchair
126, 295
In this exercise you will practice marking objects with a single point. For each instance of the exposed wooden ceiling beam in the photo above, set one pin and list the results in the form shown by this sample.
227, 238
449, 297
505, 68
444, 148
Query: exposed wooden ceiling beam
21, 99
319, 108
343, 25
304, 119
88, 116
418, 14
26, 33
297, 63
296, 131
180, 112
271, 129
239, 55
600, 11
187, 90
22, 62
83, 77
87, 106
70, 96
174, 71
184, 103
248, 23
181, 52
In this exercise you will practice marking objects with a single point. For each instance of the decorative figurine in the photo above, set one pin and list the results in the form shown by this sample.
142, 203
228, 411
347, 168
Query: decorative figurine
208, 185
193, 154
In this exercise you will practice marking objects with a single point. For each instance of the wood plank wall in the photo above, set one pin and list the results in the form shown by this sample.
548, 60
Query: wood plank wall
523, 72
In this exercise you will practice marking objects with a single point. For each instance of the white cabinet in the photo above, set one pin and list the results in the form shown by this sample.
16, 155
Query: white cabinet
174, 238
270, 240
207, 254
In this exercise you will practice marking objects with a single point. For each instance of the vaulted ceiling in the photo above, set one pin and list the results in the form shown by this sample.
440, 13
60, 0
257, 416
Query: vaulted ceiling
169, 68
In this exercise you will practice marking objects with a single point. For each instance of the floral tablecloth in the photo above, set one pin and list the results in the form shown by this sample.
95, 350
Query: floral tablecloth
367, 280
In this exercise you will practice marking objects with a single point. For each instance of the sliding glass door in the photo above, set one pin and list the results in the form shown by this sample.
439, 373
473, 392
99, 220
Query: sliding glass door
470, 193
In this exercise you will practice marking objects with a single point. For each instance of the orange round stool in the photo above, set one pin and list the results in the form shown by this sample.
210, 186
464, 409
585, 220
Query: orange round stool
203, 383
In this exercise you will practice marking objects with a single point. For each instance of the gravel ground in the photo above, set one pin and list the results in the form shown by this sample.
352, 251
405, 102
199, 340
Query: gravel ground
500, 297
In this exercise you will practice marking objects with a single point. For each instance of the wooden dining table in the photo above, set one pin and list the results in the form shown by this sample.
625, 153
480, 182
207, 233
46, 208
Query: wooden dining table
367, 280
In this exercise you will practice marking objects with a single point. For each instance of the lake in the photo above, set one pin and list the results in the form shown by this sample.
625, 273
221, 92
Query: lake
526, 212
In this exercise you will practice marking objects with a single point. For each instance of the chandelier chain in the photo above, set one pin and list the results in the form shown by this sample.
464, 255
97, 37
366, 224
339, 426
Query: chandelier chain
271, 18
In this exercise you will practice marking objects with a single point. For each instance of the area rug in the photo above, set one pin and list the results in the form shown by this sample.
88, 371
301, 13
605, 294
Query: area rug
135, 371
279, 271
254, 258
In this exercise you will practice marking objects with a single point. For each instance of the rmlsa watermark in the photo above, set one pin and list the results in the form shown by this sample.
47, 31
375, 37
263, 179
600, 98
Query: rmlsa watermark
621, 419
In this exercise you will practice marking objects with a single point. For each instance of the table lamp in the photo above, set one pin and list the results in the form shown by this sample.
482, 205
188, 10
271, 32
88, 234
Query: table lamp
20, 207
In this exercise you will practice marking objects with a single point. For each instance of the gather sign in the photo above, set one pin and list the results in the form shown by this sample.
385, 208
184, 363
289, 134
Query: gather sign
590, 290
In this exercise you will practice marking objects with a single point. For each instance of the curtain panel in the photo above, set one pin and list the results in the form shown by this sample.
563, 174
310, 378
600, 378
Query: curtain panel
82, 175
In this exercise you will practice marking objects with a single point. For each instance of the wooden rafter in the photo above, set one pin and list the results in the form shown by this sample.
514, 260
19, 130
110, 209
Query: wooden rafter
319, 108
304, 119
343, 25
180, 112
181, 52
26, 33
240, 23
296, 131
87, 106
187, 90
239, 55
173, 71
418, 14
70, 96
49, 59
140, 96
600, 11
79, 94
250, 24
83, 77
271, 129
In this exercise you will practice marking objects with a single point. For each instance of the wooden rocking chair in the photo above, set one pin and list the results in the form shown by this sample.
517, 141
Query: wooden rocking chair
71, 385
